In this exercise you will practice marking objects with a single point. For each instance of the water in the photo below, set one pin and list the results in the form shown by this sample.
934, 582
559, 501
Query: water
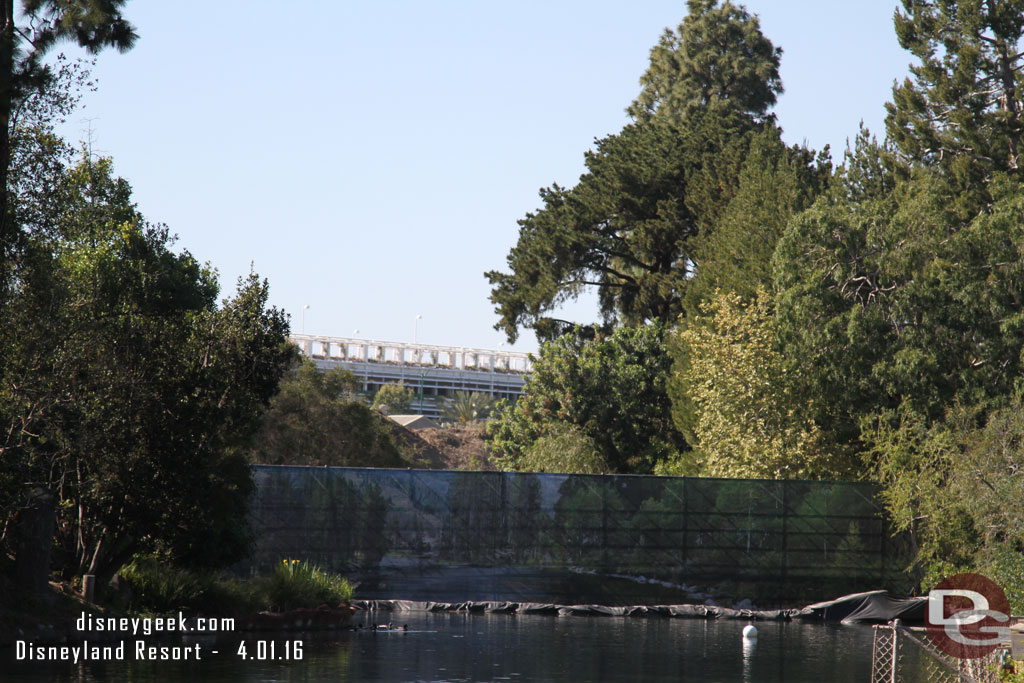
500, 647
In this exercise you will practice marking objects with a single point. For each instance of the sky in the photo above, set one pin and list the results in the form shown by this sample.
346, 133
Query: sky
372, 159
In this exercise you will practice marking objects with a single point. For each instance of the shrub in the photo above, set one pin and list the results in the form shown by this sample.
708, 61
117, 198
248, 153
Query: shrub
159, 587
295, 583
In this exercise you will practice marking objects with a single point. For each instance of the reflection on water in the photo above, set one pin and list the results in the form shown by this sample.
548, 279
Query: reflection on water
749, 645
496, 647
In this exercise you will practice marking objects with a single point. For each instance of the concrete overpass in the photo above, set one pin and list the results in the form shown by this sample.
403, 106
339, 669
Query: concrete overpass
435, 372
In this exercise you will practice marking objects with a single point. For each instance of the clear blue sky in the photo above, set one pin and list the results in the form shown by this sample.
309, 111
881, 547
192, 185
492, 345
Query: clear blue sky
371, 159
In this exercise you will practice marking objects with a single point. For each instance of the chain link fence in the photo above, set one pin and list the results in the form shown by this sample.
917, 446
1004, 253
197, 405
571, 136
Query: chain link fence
904, 655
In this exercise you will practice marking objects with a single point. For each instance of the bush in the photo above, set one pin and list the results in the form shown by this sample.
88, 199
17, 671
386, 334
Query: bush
295, 583
158, 587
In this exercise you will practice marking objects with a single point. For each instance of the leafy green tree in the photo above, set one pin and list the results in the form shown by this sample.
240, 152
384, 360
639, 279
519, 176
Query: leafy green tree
467, 407
610, 389
775, 183
396, 399
564, 449
629, 228
316, 419
961, 109
896, 299
751, 417
952, 485
716, 60
27, 33
129, 394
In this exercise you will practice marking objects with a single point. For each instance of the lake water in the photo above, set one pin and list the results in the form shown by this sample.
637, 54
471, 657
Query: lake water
500, 647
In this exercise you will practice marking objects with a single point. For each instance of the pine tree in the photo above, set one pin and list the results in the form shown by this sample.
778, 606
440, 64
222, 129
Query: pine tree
628, 228
961, 109
717, 59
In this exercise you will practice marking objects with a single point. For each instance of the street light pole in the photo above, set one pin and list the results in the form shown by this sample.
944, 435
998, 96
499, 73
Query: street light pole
306, 306
415, 327
423, 374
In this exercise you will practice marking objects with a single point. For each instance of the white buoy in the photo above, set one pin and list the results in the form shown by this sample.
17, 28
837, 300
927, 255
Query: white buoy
750, 631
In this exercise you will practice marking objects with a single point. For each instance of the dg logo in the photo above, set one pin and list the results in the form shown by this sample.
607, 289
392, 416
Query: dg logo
968, 616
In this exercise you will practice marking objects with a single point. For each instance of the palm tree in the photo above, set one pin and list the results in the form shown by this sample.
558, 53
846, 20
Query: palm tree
467, 407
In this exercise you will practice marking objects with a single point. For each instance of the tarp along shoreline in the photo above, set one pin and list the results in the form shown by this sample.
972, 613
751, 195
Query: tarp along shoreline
868, 607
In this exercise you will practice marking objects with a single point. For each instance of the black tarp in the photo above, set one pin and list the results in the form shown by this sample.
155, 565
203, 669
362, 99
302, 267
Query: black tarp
871, 607
702, 611
875, 607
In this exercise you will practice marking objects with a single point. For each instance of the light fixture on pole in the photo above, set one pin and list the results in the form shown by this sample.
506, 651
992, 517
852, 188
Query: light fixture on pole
304, 318
415, 327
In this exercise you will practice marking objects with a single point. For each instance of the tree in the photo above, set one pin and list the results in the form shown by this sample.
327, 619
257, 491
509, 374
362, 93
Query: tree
466, 407
316, 419
564, 449
896, 299
395, 399
628, 229
92, 24
718, 59
961, 110
610, 389
775, 183
949, 483
750, 417
129, 394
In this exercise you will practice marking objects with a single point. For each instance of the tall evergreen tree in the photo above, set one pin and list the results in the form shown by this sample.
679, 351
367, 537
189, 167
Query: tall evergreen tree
775, 183
628, 228
716, 60
961, 108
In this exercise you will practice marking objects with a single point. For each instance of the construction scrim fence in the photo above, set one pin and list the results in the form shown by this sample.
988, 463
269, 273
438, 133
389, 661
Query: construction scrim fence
790, 539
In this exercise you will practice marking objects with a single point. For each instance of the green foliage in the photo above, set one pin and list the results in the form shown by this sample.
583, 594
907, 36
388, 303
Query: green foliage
716, 60
295, 583
564, 448
394, 399
161, 588
895, 299
961, 110
751, 418
626, 229
467, 407
610, 389
775, 183
131, 395
629, 228
955, 486
27, 33
316, 419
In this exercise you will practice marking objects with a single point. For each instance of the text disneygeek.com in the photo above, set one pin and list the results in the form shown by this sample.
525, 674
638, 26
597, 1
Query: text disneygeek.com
106, 646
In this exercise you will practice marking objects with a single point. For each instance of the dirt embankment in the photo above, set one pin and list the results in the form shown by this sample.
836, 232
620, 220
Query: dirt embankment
460, 448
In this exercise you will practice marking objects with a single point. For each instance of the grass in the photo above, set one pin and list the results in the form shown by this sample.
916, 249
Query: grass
295, 583
159, 588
